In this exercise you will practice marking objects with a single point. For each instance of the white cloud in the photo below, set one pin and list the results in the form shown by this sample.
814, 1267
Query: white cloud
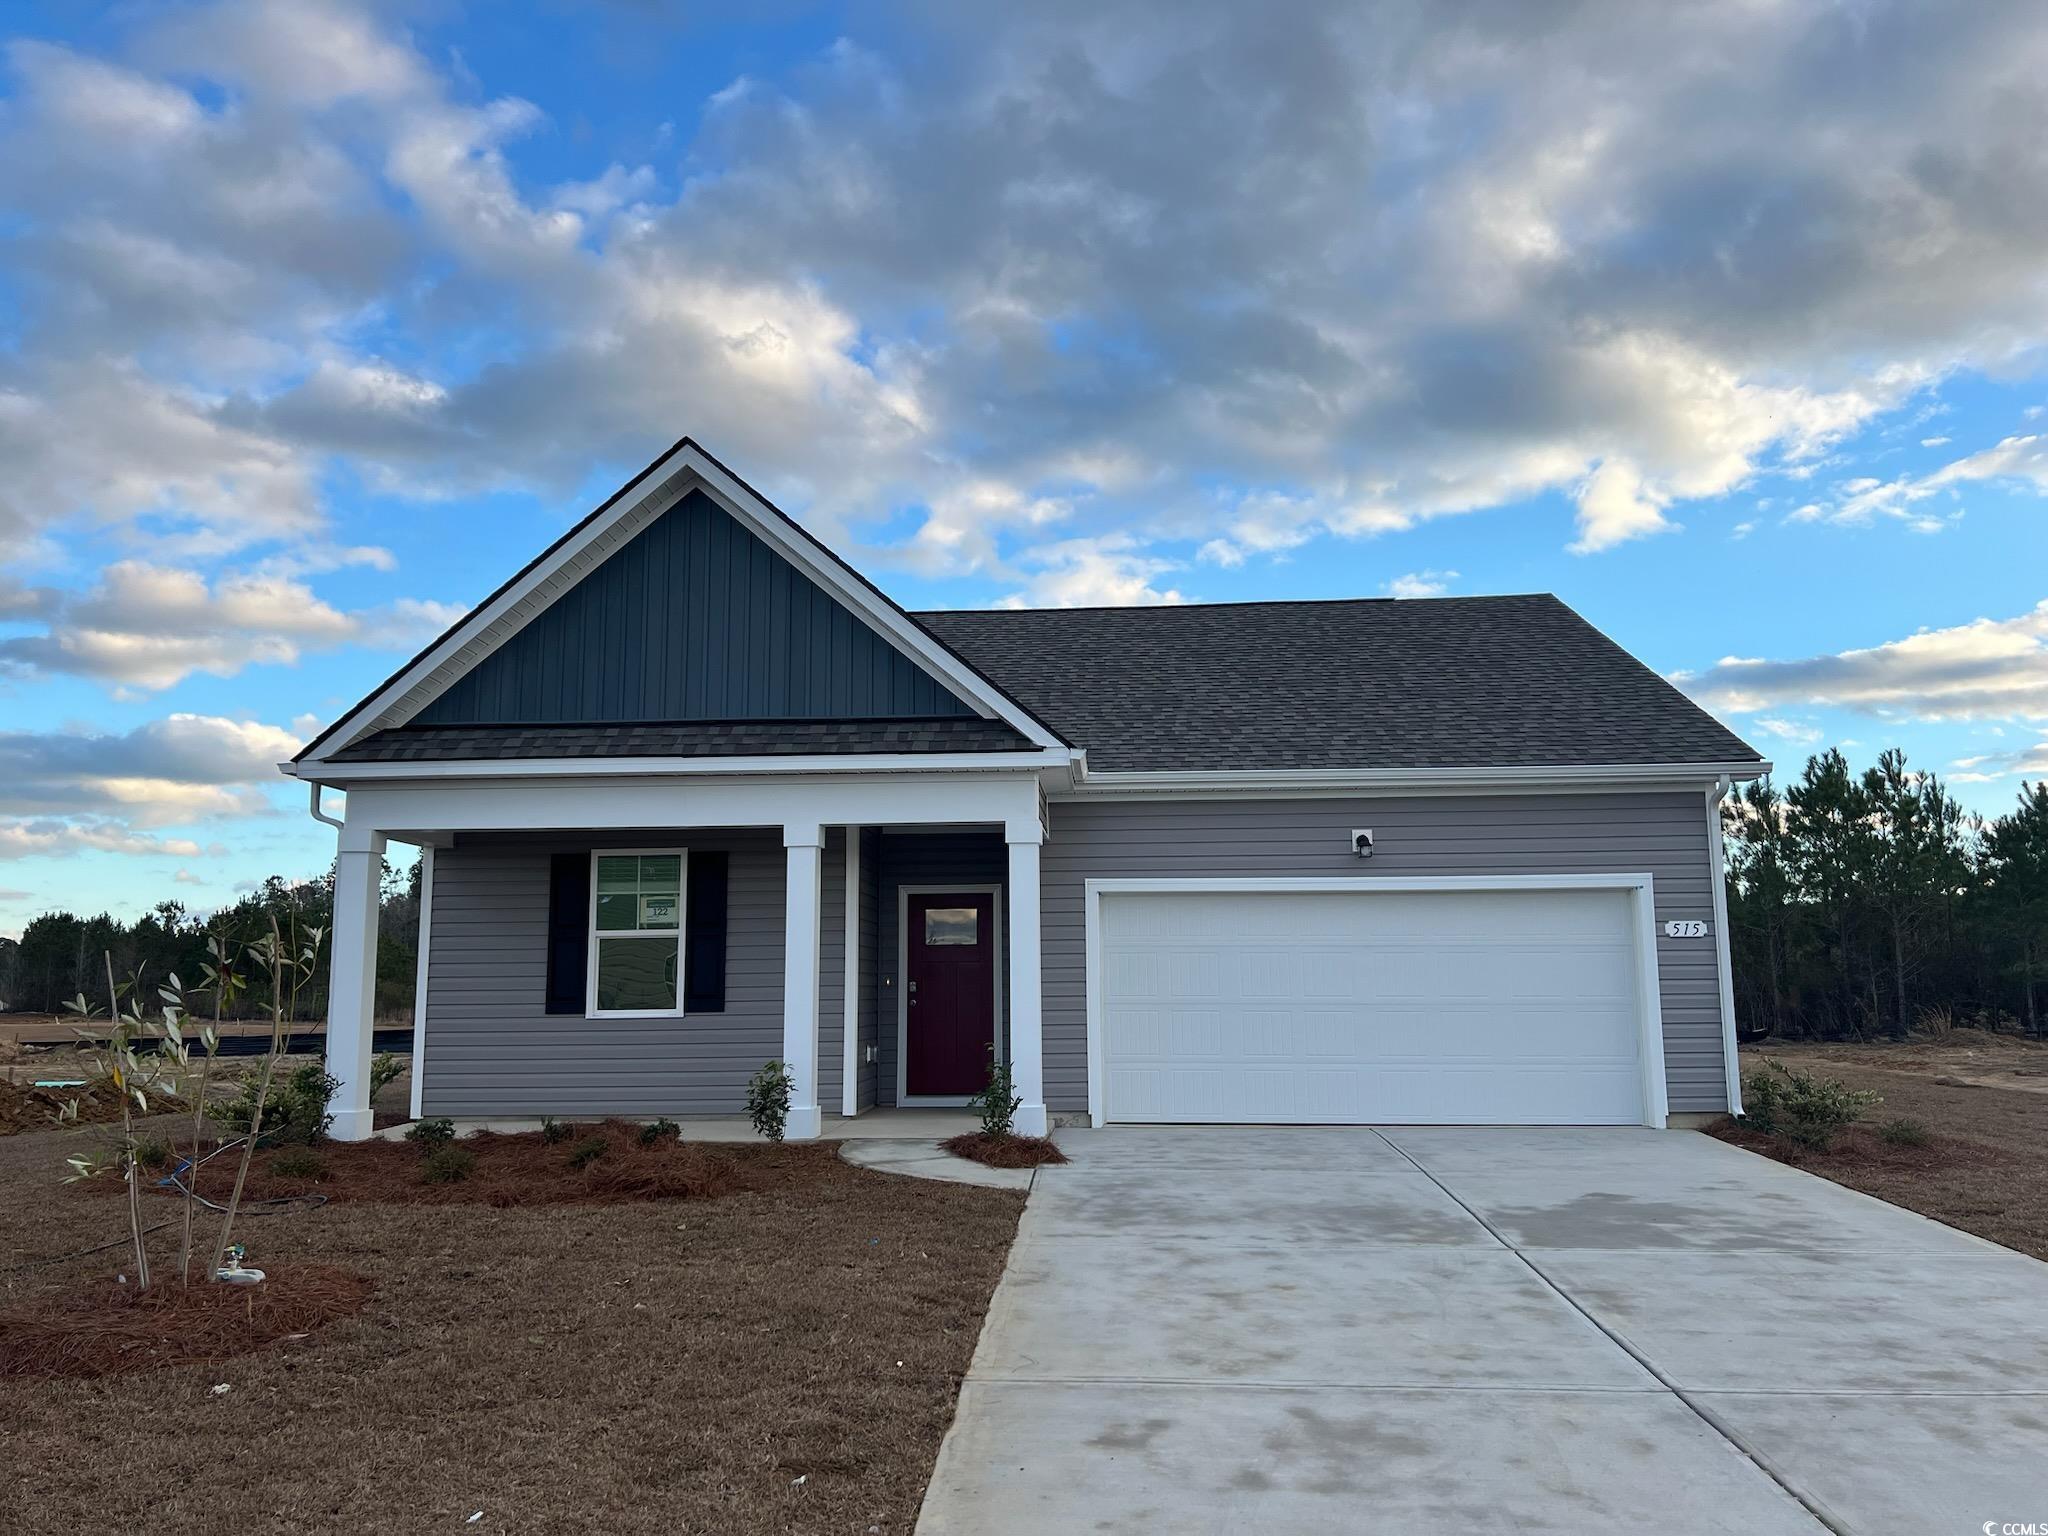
1933, 442
1421, 584
53, 839
1083, 573
1987, 669
1798, 732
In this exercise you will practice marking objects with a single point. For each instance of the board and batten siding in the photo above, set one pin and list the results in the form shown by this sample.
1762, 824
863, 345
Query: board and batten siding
491, 1048
1663, 834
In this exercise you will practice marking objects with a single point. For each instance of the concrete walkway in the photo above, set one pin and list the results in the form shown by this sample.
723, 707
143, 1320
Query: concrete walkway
1425, 1330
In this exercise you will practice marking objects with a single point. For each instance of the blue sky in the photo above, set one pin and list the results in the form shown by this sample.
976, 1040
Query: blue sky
317, 319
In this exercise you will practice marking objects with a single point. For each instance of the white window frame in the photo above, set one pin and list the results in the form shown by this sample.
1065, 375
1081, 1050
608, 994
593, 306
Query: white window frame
637, 935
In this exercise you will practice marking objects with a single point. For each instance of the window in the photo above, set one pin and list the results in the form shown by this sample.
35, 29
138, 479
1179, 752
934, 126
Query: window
951, 925
636, 933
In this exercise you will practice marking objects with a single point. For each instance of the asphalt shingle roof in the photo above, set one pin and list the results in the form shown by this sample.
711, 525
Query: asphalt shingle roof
1372, 683
727, 738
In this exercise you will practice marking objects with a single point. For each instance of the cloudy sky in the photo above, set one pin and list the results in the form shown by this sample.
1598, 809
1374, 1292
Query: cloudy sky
1724, 321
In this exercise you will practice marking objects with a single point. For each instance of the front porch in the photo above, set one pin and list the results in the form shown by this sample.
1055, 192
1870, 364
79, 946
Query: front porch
921, 1125
826, 889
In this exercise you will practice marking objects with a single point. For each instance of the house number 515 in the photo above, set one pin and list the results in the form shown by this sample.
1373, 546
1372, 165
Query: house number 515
1685, 928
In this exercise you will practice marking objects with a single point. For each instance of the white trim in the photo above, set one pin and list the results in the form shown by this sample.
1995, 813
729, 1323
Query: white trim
903, 895
1339, 781
1724, 965
1656, 1103
802, 933
686, 468
419, 986
688, 767
849, 1028
640, 935
1026, 1021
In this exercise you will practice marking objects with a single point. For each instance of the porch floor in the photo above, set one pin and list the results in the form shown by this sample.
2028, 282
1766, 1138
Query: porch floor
889, 1124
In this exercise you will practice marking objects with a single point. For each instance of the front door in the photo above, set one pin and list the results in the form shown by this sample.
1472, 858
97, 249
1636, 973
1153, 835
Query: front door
950, 993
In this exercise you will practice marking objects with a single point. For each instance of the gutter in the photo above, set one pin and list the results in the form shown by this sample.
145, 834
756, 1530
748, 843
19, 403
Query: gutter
1514, 776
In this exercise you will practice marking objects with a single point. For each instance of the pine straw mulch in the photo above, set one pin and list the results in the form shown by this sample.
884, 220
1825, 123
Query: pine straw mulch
1004, 1151
523, 1169
23, 1108
1984, 1169
114, 1328
784, 1359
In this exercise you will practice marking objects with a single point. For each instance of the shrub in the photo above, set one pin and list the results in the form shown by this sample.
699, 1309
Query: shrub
298, 1163
654, 1130
588, 1151
384, 1071
768, 1100
1904, 1133
153, 1155
553, 1133
1811, 1110
430, 1135
447, 1164
998, 1101
296, 1110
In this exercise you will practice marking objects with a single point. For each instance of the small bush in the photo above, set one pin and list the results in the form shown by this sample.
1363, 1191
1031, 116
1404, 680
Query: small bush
429, 1135
1811, 1110
153, 1155
447, 1164
384, 1071
1904, 1133
553, 1133
295, 1111
299, 1163
768, 1100
654, 1130
588, 1151
997, 1102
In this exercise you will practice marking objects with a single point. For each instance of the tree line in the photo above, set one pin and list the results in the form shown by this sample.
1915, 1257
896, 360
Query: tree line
58, 957
1869, 904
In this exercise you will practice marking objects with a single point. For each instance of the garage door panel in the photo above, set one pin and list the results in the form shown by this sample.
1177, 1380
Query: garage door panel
1358, 1006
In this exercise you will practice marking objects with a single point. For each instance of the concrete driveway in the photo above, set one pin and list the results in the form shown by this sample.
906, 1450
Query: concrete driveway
1427, 1330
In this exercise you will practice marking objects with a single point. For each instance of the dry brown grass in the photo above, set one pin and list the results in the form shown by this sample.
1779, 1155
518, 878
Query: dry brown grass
779, 1360
1004, 1151
1985, 1170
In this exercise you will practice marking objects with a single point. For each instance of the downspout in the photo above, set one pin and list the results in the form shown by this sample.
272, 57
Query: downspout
1723, 963
318, 814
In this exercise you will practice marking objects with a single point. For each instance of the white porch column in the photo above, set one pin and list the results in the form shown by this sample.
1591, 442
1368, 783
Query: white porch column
803, 842
849, 1073
352, 977
1027, 1047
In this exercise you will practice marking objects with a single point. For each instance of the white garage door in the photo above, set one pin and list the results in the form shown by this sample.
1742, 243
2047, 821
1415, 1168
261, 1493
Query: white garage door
1465, 1007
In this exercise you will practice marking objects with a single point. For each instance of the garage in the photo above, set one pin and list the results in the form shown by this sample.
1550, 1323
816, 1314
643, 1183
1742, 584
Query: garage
1454, 1001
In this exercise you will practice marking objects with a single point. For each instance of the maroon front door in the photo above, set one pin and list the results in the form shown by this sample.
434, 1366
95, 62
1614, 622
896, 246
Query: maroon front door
950, 996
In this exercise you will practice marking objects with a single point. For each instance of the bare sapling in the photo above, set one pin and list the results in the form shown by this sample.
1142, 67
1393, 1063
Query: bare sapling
222, 981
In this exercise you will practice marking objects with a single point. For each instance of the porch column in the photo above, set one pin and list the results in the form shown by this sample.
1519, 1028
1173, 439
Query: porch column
849, 1072
352, 978
803, 843
1027, 1049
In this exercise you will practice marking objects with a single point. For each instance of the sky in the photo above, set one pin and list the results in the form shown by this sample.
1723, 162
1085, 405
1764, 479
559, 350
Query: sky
1723, 320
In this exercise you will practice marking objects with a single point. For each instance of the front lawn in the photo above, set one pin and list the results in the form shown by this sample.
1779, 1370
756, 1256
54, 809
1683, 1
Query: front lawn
1984, 1167
781, 1358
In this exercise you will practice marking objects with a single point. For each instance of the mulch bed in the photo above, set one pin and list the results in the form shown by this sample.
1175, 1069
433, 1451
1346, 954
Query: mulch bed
524, 1169
115, 1328
23, 1108
1984, 1169
1005, 1151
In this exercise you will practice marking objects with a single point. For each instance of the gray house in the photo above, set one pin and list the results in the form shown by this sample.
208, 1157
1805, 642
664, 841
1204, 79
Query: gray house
693, 794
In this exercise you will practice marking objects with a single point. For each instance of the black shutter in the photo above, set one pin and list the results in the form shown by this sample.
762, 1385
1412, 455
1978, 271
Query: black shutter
568, 931
704, 935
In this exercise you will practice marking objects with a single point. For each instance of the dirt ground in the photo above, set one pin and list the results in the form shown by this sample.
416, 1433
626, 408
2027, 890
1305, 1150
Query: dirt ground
1987, 1168
784, 1360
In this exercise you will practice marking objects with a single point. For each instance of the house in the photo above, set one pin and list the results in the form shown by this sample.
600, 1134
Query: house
692, 794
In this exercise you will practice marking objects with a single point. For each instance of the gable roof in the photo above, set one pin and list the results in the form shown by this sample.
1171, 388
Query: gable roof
1466, 682
530, 592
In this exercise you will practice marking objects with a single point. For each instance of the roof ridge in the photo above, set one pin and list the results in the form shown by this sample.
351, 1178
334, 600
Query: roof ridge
1247, 602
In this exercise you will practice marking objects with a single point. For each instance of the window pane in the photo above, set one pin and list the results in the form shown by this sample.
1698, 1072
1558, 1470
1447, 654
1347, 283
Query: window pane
658, 911
661, 872
951, 925
618, 873
635, 974
616, 912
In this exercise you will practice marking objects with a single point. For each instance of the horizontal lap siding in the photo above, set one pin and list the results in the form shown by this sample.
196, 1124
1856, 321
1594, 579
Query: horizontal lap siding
870, 966
491, 1047
1662, 834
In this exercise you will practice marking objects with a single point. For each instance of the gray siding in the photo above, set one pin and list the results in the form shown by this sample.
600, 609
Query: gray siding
693, 619
1663, 834
870, 969
929, 858
491, 1047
